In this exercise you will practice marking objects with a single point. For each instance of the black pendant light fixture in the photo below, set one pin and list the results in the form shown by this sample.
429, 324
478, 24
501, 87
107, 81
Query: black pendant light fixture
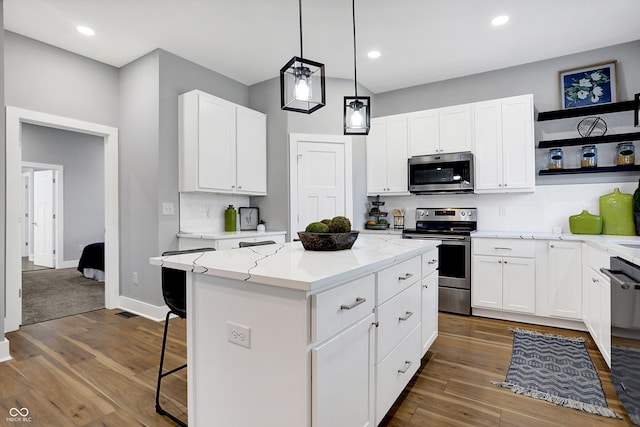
302, 82
357, 109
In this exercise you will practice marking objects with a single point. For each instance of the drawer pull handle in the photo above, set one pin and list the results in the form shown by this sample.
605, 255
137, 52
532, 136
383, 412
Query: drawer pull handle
433, 261
407, 365
357, 302
594, 280
406, 316
406, 276
499, 248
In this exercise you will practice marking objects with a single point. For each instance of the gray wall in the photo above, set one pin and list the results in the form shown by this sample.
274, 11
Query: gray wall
539, 78
149, 89
82, 157
43, 78
328, 120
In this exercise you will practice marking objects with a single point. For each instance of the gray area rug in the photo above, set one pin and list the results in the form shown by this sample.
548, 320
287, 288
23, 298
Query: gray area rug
557, 369
625, 379
51, 294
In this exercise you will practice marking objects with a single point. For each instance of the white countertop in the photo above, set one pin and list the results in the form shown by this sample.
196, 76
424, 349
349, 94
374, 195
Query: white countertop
606, 242
289, 265
220, 235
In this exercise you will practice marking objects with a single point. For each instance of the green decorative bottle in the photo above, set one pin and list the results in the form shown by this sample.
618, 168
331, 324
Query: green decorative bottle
230, 219
617, 214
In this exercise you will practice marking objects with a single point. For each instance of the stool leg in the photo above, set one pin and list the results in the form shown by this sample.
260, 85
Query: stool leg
161, 375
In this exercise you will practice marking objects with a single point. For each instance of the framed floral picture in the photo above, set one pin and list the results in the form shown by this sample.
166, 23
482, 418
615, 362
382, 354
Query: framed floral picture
249, 218
591, 85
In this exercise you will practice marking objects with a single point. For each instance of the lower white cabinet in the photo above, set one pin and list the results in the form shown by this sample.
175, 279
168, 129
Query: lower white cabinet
342, 371
565, 279
596, 303
503, 275
429, 311
225, 243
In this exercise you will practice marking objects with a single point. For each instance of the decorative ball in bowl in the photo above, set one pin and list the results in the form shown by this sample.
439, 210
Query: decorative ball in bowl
327, 241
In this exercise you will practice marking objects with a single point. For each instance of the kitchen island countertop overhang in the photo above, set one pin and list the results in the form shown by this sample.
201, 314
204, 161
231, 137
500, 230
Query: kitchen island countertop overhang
289, 265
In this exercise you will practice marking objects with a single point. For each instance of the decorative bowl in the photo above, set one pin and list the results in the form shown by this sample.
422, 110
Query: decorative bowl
327, 241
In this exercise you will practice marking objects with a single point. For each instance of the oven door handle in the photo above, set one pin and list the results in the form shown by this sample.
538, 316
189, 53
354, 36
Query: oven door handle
434, 237
620, 278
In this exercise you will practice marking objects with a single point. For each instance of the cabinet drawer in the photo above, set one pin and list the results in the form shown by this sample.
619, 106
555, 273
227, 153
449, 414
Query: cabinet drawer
397, 278
396, 318
429, 262
337, 308
395, 372
504, 247
597, 258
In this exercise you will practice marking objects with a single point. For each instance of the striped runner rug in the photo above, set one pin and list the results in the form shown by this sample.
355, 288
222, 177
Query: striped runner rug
557, 369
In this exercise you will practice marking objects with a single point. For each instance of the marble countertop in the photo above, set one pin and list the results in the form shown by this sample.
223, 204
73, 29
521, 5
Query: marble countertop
220, 235
289, 265
615, 245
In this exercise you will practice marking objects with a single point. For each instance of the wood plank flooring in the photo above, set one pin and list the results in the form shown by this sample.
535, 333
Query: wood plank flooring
99, 369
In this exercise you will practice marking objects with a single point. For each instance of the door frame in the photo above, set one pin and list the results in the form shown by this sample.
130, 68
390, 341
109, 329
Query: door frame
58, 195
15, 117
294, 139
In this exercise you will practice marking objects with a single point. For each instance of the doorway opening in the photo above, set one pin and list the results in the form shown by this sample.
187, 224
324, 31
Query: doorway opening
15, 118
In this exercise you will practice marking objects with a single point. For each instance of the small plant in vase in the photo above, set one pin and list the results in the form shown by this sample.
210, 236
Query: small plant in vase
636, 208
262, 225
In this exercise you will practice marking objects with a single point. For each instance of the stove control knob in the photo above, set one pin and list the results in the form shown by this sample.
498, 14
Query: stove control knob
463, 213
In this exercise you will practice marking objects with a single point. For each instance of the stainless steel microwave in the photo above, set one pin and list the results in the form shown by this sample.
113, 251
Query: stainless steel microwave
441, 173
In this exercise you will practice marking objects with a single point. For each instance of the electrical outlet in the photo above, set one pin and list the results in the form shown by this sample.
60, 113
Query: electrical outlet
239, 334
80, 248
135, 278
502, 211
168, 208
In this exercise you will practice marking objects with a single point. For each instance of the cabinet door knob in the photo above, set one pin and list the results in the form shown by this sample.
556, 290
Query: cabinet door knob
357, 302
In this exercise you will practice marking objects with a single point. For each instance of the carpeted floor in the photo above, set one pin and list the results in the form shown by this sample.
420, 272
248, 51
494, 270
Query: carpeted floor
51, 294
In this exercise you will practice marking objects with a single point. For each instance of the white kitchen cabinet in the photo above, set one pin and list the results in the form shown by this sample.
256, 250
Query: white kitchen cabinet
596, 288
429, 299
565, 279
222, 241
504, 145
223, 146
440, 130
503, 275
343, 378
387, 156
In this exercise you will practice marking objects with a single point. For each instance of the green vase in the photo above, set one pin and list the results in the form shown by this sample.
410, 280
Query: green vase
636, 208
617, 214
230, 219
585, 223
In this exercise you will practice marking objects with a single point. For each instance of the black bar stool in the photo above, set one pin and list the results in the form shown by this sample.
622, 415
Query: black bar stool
174, 292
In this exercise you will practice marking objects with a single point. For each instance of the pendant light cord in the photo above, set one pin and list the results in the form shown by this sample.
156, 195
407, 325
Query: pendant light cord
300, 14
355, 69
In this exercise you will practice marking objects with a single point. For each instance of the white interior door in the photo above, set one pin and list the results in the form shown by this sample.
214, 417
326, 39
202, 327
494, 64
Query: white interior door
43, 220
321, 179
26, 225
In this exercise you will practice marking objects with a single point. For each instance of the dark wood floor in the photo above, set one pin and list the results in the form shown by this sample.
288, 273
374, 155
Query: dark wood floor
99, 369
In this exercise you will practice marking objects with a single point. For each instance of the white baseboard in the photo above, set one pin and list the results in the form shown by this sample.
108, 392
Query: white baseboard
4, 350
576, 325
68, 264
153, 312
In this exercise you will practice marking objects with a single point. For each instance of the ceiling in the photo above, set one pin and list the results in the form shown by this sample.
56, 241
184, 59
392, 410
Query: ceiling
421, 41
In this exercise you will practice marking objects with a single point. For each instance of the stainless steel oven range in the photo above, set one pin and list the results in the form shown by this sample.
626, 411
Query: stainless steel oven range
625, 333
454, 227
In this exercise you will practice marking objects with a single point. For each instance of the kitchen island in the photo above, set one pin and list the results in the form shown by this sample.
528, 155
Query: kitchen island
281, 336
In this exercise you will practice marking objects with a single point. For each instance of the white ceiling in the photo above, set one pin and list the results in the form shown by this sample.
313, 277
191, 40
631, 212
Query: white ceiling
250, 40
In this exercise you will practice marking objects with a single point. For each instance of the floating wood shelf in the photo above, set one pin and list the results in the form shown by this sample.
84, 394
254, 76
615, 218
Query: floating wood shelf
633, 136
630, 168
615, 107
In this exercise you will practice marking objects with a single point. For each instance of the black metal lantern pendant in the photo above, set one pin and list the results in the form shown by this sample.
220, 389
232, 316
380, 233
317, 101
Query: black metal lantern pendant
357, 109
302, 82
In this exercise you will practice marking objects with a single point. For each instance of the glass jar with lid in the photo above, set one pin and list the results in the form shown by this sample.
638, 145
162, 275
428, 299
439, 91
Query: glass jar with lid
555, 158
589, 156
625, 154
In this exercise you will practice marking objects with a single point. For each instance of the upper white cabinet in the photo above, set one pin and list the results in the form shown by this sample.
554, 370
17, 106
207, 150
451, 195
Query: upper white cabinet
223, 146
387, 156
504, 145
441, 130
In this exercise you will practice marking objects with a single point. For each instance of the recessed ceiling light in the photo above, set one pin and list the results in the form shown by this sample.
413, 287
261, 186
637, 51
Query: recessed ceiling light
374, 54
500, 20
85, 30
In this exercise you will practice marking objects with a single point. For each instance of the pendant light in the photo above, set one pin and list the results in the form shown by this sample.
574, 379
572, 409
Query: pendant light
357, 109
302, 82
